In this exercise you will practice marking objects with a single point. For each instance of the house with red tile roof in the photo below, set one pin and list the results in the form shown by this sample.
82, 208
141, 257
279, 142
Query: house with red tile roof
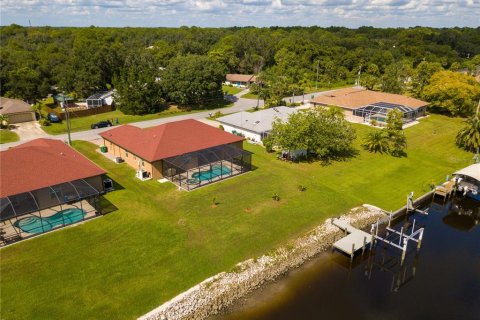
188, 152
367, 104
45, 184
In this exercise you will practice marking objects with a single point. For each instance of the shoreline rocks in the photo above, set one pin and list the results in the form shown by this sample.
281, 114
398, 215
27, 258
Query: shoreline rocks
218, 292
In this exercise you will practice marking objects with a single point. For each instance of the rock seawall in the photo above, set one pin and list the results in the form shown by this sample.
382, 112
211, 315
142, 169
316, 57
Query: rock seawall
218, 292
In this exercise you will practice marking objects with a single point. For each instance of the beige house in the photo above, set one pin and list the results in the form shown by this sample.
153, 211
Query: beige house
240, 80
366, 105
16, 110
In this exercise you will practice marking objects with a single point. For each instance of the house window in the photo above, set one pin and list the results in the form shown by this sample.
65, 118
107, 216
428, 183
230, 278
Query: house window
143, 163
126, 154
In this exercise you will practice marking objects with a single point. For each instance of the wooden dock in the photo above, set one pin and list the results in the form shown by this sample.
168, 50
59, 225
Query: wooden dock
356, 240
445, 190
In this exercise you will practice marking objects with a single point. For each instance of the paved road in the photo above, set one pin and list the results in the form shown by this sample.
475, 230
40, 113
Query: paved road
92, 135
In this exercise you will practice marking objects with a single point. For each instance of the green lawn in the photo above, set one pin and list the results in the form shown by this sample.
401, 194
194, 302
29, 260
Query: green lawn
162, 241
84, 123
231, 90
7, 136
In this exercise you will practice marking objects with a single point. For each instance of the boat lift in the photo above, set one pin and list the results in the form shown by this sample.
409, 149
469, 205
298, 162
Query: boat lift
358, 240
400, 238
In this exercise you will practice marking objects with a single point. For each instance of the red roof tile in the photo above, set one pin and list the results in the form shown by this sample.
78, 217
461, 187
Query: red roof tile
41, 163
354, 98
169, 139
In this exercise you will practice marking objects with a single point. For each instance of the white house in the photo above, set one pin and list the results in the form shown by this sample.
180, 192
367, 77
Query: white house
254, 126
100, 99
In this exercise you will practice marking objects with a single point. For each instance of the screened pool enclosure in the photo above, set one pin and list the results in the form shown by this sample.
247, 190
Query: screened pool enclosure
30, 213
378, 111
195, 169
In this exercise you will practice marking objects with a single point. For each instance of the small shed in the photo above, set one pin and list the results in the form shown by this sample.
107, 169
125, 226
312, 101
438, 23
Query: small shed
16, 110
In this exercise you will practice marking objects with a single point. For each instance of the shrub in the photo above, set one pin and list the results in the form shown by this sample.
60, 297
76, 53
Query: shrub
276, 197
221, 127
302, 188
44, 122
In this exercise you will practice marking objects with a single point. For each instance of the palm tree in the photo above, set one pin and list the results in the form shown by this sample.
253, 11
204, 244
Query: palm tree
377, 141
468, 137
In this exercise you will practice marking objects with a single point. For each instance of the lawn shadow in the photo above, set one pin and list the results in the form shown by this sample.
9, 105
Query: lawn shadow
106, 205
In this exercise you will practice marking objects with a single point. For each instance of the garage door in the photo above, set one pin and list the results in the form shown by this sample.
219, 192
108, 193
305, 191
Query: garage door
21, 117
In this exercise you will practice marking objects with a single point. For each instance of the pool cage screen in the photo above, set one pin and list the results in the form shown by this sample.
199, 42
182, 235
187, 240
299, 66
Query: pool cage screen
379, 111
195, 169
38, 211
96, 100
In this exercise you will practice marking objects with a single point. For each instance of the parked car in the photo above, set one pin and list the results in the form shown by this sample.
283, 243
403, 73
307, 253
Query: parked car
52, 117
101, 124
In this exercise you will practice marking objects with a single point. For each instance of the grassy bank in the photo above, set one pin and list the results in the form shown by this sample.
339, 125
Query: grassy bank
7, 136
162, 241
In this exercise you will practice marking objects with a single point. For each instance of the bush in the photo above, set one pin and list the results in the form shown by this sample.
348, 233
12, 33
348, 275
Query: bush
221, 127
217, 114
44, 122
276, 197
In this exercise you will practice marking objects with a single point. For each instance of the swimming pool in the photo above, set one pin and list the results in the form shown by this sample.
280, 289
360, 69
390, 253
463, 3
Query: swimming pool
38, 225
215, 171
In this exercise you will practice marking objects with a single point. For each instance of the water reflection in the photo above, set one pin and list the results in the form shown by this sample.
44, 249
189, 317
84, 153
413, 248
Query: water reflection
441, 281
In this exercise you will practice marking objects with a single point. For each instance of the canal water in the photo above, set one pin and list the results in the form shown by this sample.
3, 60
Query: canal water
440, 281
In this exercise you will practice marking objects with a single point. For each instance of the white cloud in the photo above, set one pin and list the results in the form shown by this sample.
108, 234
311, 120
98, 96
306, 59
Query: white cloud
351, 13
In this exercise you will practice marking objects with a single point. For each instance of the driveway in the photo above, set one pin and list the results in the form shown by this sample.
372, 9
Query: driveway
29, 130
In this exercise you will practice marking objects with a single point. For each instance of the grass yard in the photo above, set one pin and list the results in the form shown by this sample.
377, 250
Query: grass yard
162, 241
84, 123
7, 136
231, 90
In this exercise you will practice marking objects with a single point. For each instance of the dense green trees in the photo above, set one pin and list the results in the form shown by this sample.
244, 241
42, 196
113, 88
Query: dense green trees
193, 79
319, 132
36, 61
452, 92
137, 88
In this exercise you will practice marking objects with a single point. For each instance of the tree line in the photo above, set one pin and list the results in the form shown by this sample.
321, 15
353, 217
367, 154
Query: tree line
150, 67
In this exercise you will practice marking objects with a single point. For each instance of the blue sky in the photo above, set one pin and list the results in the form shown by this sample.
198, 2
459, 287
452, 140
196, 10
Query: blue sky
225, 13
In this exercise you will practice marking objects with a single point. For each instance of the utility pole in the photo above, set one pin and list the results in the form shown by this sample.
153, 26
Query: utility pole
316, 79
477, 156
67, 117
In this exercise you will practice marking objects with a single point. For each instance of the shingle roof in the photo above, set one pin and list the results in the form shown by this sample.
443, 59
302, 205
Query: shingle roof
354, 98
9, 106
240, 77
259, 121
169, 139
41, 163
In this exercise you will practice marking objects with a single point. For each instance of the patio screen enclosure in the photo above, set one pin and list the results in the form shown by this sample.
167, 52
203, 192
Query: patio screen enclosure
38, 211
195, 169
379, 111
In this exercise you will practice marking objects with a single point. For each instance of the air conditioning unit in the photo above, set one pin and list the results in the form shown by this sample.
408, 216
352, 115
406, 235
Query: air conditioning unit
118, 159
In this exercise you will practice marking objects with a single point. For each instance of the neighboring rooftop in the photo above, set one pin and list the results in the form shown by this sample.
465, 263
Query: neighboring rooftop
42, 163
259, 121
353, 98
169, 139
8, 106
234, 77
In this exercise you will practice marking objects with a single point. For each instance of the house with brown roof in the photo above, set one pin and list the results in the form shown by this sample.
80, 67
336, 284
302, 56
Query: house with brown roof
16, 110
44, 185
365, 105
240, 80
188, 152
